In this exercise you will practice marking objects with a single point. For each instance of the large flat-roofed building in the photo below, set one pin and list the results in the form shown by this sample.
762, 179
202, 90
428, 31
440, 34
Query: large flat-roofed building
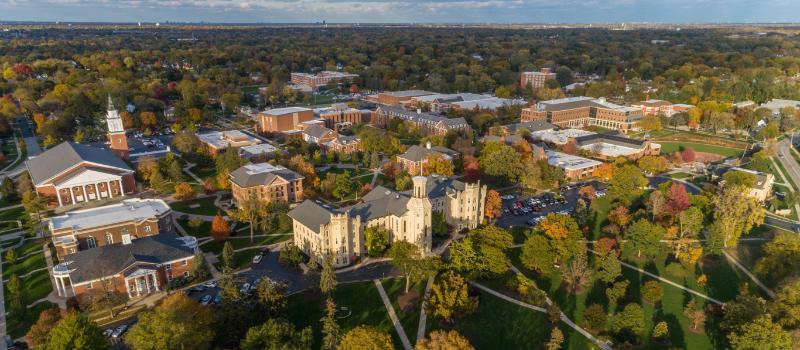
575, 168
397, 98
72, 173
776, 105
322, 78
608, 145
340, 116
283, 119
218, 141
415, 157
260, 151
576, 112
535, 126
427, 123
536, 79
91, 228
321, 230
134, 268
558, 137
440, 103
267, 182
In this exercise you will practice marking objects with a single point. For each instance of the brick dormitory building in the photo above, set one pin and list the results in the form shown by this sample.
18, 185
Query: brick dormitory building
576, 112
128, 247
427, 123
267, 183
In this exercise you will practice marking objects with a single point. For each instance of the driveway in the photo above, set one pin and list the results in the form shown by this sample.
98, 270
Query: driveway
26, 129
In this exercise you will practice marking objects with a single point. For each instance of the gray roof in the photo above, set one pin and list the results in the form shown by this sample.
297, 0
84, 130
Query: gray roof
417, 153
423, 117
317, 131
107, 260
439, 186
380, 202
532, 126
250, 175
66, 155
311, 214
611, 138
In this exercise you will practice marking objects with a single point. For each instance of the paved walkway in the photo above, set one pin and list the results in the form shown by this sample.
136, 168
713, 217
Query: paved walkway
715, 301
423, 315
564, 318
210, 260
395, 320
747, 272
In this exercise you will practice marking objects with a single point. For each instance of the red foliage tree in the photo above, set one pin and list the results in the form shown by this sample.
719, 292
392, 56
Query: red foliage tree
677, 199
605, 246
688, 155
472, 169
220, 229
588, 192
494, 205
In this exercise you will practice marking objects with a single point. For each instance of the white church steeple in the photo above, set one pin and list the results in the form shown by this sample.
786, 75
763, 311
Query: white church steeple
113, 119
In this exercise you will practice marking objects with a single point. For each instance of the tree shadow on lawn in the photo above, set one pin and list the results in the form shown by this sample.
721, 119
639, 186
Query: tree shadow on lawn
676, 336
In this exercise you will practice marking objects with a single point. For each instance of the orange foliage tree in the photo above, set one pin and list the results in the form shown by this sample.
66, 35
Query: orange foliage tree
494, 206
183, 191
220, 229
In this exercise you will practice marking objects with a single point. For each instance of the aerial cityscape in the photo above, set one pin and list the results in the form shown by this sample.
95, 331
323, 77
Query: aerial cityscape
412, 175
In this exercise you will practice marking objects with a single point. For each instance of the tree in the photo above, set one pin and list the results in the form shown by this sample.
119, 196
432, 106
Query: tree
739, 178
697, 315
653, 164
631, 319
251, 211
436, 164
645, 237
660, 330
8, 189
787, 303
677, 199
376, 239
184, 191
15, 289
538, 255
76, 331
227, 256
330, 329
492, 236
744, 309
652, 291
577, 275
148, 119
556, 339
407, 258
449, 298
272, 297
604, 172
781, 257
277, 334
616, 291
737, 213
220, 229
650, 123
178, 323
563, 233
366, 338
762, 333
499, 159
40, 330
11, 256
688, 155
609, 268
595, 318
444, 340
493, 208
327, 278
344, 186
291, 255
626, 185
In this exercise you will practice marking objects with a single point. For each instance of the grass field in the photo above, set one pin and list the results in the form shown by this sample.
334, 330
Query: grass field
409, 319
205, 206
204, 230
680, 175
670, 147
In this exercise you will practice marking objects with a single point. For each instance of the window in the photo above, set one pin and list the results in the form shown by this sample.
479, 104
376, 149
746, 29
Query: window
186, 262
91, 242
109, 238
185, 273
147, 228
90, 285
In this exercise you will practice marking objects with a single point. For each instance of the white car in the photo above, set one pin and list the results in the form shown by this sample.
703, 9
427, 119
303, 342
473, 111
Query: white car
119, 331
210, 284
257, 258
245, 288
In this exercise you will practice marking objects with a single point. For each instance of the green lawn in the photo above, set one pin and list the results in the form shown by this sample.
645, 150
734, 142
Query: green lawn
206, 206
203, 230
680, 175
600, 208
23, 266
12, 214
409, 319
29, 247
18, 327
498, 324
362, 300
670, 147
34, 287
243, 241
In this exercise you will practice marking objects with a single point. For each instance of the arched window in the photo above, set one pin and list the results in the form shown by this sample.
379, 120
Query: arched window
91, 242
109, 238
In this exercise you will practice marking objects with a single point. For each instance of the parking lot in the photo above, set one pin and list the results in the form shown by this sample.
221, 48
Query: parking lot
525, 210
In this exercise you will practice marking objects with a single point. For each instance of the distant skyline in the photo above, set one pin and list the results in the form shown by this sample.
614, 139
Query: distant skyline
413, 11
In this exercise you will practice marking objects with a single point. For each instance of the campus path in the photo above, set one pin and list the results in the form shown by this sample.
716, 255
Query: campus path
209, 261
747, 272
564, 317
395, 320
715, 301
423, 315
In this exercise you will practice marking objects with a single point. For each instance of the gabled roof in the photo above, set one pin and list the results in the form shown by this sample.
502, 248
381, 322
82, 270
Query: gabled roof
317, 131
418, 153
311, 214
250, 175
108, 260
65, 156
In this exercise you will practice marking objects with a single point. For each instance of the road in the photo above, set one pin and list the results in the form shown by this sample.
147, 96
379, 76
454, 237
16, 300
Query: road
26, 129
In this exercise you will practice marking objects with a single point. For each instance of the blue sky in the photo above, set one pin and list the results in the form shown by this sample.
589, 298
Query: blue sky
387, 11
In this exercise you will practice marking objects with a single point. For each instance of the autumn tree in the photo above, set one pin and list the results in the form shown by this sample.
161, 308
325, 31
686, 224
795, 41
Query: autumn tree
366, 338
376, 239
327, 277
761, 333
626, 185
39, 331
220, 229
443, 340
179, 322
737, 213
556, 339
330, 329
688, 155
630, 319
408, 258
184, 191
76, 331
277, 334
449, 298
696, 314
252, 211
493, 208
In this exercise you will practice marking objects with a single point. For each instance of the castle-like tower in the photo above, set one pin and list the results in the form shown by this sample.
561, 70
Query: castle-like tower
418, 218
116, 132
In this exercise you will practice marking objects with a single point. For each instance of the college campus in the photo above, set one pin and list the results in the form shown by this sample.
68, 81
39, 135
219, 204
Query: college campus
417, 187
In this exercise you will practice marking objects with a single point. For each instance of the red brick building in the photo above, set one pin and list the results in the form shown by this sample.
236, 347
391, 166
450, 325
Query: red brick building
283, 119
536, 79
269, 183
72, 173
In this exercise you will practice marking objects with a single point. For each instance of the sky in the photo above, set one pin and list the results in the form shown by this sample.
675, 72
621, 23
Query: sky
402, 11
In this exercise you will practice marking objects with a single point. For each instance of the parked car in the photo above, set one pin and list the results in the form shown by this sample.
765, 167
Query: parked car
245, 288
217, 299
196, 289
108, 332
119, 331
206, 299
210, 284
257, 258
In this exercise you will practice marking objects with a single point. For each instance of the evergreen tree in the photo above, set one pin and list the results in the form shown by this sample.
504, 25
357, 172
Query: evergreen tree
330, 329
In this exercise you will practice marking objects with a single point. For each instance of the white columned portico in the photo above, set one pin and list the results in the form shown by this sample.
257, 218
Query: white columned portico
121, 192
72, 194
58, 195
108, 189
96, 191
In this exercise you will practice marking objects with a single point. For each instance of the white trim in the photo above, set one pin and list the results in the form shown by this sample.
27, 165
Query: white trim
46, 182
